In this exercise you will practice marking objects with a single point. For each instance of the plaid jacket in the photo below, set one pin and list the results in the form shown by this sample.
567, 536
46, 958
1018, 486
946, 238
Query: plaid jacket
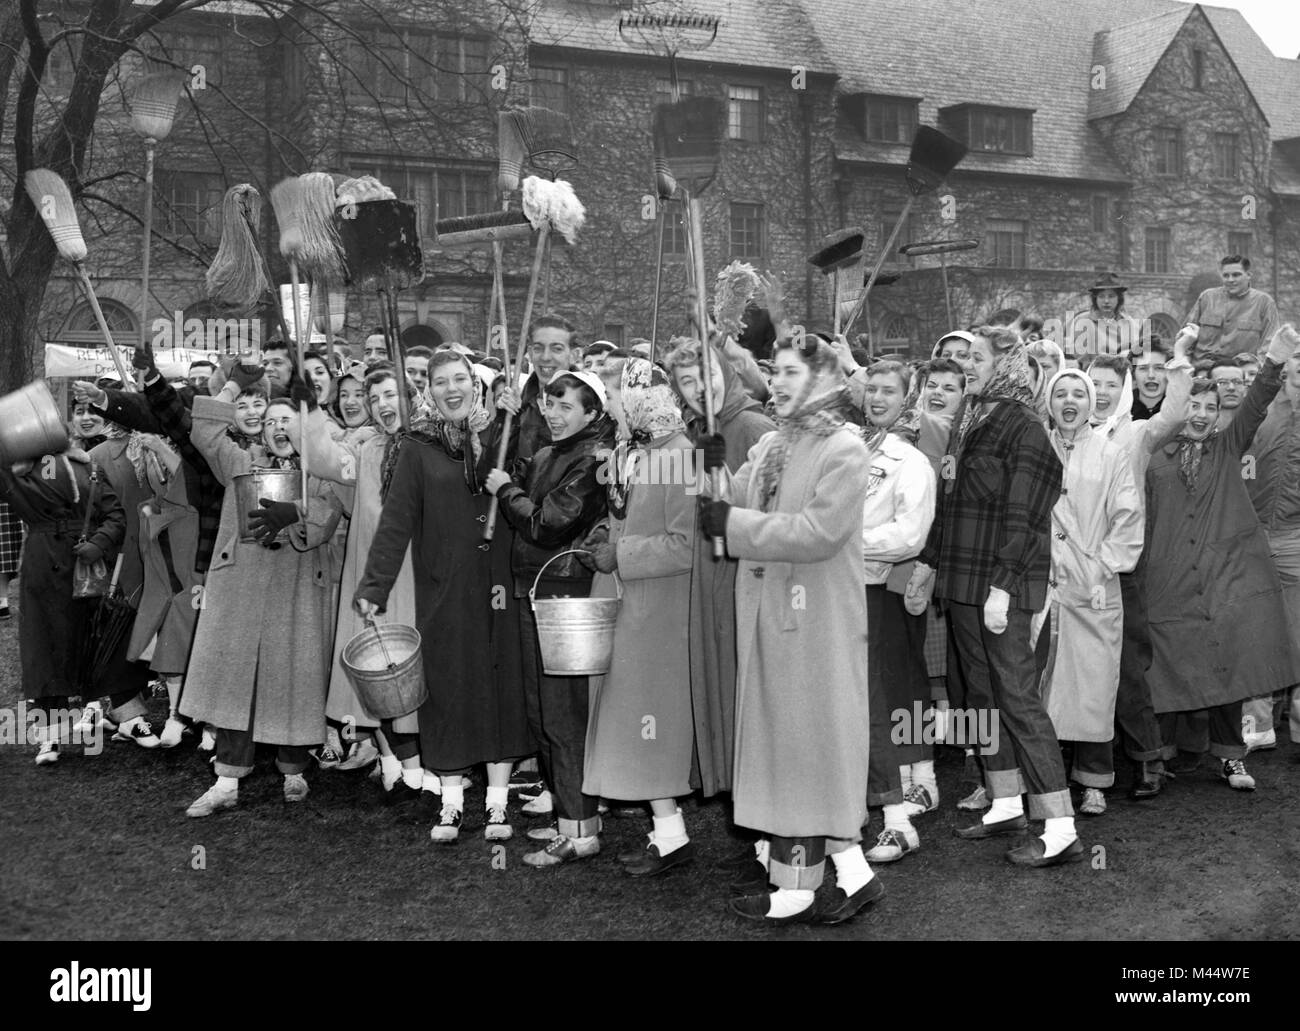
993, 529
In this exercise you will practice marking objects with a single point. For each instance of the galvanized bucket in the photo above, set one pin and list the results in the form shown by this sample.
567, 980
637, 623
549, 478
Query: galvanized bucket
276, 484
575, 635
386, 670
30, 425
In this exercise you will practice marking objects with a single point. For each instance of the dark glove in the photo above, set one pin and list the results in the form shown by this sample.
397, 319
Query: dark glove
143, 358
302, 392
713, 517
245, 375
271, 518
715, 452
603, 558
88, 553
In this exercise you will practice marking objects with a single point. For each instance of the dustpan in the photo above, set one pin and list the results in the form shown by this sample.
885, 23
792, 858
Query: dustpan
381, 243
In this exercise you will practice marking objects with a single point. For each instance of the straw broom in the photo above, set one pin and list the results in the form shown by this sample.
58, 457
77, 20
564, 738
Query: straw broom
52, 198
153, 111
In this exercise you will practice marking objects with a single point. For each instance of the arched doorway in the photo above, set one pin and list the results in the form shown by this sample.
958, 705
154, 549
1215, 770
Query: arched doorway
421, 336
83, 328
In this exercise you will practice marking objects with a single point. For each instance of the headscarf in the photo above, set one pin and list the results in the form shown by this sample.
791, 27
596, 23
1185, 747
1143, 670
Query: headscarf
1123, 407
650, 413
1057, 438
735, 398
817, 411
1011, 381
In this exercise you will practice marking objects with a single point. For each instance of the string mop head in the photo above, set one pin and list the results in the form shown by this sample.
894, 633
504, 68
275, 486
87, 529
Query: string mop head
235, 279
53, 201
153, 104
360, 190
553, 202
735, 286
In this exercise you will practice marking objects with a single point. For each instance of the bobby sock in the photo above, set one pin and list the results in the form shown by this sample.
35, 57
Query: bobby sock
497, 798
413, 777
430, 782
923, 774
453, 794
789, 901
1005, 809
763, 851
390, 769
896, 819
670, 833
1058, 832
905, 775
851, 869
228, 783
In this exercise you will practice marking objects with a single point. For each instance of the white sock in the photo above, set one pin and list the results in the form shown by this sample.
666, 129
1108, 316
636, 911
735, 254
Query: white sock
1005, 809
923, 774
851, 869
905, 775
228, 783
430, 782
896, 818
413, 777
390, 768
497, 798
670, 832
453, 794
942, 721
1058, 833
789, 901
763, 851
583, 842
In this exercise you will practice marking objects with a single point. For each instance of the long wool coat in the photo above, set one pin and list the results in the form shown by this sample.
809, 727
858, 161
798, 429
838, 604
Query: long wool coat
465, 609
51, 499
1096, 534
261, 643
1218, 623
640, 727
802, 722
110, 458
354, 461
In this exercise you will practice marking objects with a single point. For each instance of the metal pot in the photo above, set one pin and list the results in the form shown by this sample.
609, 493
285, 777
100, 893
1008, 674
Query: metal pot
276, 484
30, 425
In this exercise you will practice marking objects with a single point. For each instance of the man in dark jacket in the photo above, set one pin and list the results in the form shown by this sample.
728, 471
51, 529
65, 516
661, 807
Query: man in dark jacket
552, 348
552, 501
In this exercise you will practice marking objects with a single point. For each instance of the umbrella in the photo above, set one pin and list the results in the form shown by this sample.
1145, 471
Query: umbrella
109, 625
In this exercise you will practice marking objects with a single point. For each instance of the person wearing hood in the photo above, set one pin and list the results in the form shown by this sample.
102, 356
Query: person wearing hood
552, 502
740, 424
1096, 535
1219, 628
1135, 718
793, 517
989, 556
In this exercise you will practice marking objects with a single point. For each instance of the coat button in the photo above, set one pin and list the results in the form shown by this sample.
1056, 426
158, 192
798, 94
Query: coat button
482, 518
225, 554
757, 571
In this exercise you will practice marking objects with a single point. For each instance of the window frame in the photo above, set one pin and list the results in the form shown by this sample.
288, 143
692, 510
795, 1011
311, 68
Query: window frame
1226, 144
1156, 235
874, 101
992, 230
762, 231
402, 176
562, 82
1162, 136
201, 223
739, 113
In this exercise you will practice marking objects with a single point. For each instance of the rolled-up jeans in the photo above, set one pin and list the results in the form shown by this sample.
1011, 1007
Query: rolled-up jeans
1284, 544
1023, 754
1135, 716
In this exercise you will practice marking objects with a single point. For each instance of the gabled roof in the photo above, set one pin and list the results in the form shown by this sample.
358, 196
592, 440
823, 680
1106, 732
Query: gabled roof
753, 33
1127, 55
1274, 80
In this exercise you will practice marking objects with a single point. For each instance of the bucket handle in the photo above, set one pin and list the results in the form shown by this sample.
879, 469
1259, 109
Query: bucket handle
370, 622
618, 583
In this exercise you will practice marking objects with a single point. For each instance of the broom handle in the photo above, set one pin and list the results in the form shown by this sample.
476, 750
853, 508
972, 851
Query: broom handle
520, 351
148, 234
388, 296
276, 306
662, 219
835, 300
884, 253
696, 208
297, 337
127, 382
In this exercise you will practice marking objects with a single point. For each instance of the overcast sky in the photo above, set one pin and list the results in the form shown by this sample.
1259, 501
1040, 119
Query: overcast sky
1276, 21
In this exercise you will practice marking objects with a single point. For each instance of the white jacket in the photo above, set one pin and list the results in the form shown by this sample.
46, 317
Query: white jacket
899, 508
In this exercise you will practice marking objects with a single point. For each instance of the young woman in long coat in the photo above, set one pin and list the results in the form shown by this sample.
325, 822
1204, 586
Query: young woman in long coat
741, 423
1096, 535
257, 671
641, 727
436, 507
794, 520
1218, 622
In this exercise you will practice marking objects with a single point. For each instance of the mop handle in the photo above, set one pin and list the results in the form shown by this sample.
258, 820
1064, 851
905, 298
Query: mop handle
871, 280
144, 263
297, 338
707, 357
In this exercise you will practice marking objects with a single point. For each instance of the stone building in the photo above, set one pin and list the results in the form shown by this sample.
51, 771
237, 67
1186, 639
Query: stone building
1146, 137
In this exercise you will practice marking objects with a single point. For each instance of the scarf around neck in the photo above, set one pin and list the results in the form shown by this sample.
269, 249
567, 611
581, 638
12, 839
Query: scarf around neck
1011, 381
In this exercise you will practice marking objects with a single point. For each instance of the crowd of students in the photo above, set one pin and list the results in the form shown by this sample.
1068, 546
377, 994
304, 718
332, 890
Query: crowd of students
1073, 556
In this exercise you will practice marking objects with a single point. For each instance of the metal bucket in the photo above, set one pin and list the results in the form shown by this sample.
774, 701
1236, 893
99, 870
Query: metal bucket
385, 668
30, 425
276, 484
575, 635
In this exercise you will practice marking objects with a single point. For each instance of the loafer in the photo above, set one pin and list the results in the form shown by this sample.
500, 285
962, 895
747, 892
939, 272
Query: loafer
756, 907
979, 831
750, 879
736, 860
401, 793
634, 854
1146, 782
651, 863
1032, 853
840, 906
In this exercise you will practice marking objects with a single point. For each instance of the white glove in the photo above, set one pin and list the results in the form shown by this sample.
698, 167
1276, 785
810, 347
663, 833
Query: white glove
916, 595
995, 610
1283, 344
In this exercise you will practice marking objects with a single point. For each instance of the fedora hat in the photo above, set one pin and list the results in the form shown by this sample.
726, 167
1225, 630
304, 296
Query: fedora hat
1108, 281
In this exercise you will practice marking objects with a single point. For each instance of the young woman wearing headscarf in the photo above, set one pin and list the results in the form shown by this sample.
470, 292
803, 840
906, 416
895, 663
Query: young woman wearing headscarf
793, 517
436, 506
741, 424
989, 556
1096, 534
641, 731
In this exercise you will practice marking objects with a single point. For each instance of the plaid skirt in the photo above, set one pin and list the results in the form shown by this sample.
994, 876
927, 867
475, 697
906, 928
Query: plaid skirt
11, 540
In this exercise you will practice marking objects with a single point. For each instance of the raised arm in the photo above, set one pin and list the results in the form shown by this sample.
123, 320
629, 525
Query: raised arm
211, 419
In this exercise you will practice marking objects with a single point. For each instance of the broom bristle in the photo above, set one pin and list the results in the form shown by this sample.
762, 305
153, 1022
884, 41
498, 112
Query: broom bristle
468, 230
932, 157
510, 153
547, 138
153, 104
843, 247
53, 201
235, 278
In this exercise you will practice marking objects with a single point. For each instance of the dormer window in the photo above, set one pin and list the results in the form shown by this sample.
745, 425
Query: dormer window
993, 130
890, 119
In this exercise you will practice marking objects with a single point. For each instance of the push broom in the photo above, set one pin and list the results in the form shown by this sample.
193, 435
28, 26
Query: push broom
53, 200
548, 206
841, 252
932, 157
153, 111
941, 248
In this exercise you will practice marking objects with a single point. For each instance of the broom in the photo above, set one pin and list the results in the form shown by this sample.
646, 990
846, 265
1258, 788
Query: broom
932, 157
50, 194
153, 111
842, 249
549, 207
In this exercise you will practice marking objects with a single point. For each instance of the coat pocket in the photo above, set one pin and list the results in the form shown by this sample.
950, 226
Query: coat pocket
981, 478
1239, 567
